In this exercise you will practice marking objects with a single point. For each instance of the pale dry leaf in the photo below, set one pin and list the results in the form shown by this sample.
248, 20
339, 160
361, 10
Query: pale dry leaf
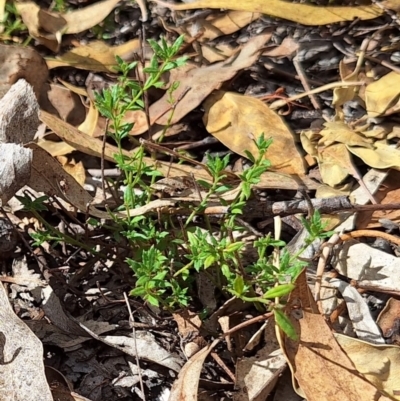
144, 345
303, 13
187, 384
382, 156
369, 266
89, 125
359, 312
21, 367
56, 148
382, 94
335, 164
195, 84
227, 118
87, 17
2, 14
95, 56
379, 364
15, 169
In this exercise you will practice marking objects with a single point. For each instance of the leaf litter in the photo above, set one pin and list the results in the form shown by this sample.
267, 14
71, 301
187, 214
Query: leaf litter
237, 59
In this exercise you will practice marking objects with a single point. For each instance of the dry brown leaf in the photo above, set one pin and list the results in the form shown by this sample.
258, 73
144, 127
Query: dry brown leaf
67, 104
235, 120
95, 56
56, 148
94, 146
196, 84
91, 120
338, 131
87, 17
382, 94
335, 164
379, 364
74, 169
304, 13
381, 157
187, 384
388, 321
48, 27
48, 176
321, 370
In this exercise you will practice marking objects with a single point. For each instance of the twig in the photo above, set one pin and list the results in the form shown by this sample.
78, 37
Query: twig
370, 233
304, 82
136, 348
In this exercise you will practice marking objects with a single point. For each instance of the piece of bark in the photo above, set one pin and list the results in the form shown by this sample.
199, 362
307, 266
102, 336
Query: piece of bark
15, 169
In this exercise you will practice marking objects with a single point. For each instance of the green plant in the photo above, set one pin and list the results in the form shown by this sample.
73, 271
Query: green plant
12, 22
162, 265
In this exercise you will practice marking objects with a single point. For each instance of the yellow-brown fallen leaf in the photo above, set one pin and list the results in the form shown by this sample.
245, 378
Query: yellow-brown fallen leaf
382, 156
320, 368
335, 164
48, 27
76, 170
304, 13
93, 146
235, 120
379, 364
382, 94
95, 56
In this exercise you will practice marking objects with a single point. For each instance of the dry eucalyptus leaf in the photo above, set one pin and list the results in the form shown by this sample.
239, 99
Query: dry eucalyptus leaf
381, 157
48, 176
196, 84
21, 367
304, 13
48, 27
21, 62
44, 26
15, 170
96, 56
382, 94
335, 164
379, 364
321, 370
227, 117
187, 385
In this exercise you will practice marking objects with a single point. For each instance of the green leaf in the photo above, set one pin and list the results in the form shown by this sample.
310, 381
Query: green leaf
285, 324
238, 285
152, 300
279, 291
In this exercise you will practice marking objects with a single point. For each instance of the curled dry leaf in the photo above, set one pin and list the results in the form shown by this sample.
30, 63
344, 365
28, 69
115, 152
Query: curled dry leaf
304, 13
48, 27
187, 384
321, 370
382, 94
236, 120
